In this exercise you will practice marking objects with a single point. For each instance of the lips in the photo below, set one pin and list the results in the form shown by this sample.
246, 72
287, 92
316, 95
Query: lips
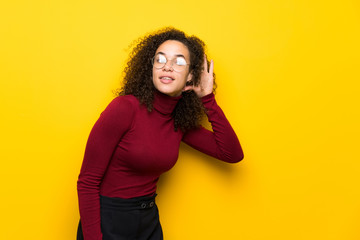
166, 79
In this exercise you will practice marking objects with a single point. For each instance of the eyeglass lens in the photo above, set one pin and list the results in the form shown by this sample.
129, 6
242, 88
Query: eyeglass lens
178, 63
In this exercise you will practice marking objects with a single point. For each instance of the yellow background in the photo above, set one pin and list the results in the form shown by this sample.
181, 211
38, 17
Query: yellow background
288, 80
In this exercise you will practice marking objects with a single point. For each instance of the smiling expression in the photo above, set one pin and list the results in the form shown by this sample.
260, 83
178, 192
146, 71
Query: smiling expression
165, 79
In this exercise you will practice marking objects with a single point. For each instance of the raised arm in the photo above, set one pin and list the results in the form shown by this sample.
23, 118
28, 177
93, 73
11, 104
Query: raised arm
222, 143
113, 122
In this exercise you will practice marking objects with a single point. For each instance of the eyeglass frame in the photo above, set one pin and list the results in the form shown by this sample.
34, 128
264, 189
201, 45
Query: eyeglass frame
167, 60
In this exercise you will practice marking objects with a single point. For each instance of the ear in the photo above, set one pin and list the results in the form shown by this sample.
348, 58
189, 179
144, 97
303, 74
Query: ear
188, 80
189, 77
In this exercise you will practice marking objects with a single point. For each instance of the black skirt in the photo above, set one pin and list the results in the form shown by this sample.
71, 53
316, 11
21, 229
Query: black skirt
130, 219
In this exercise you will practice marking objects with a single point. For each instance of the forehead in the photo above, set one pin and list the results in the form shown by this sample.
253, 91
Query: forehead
172, 48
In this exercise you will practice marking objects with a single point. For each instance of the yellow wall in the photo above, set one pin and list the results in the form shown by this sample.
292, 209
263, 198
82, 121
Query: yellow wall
288, 80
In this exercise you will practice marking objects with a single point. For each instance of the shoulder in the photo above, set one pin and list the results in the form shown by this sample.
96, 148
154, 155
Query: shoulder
125, 101
126, 104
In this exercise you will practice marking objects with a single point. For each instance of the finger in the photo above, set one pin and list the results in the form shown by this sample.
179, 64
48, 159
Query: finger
187, 88
205, 63
211, 70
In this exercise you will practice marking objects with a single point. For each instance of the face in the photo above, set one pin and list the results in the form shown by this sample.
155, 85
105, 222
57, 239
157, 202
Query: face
167, 80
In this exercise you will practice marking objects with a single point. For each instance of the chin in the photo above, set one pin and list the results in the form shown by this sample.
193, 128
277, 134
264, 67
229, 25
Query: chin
171, 94
168, 92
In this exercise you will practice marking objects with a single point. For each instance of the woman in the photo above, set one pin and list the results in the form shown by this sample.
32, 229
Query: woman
168, 87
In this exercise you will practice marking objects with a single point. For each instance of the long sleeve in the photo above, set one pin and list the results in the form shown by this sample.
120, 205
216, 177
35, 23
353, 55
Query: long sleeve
221, 143
106, 133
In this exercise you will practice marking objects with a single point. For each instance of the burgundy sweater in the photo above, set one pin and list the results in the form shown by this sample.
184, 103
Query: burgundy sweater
129, 148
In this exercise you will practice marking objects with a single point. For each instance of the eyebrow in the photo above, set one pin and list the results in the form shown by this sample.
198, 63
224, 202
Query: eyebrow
177, 55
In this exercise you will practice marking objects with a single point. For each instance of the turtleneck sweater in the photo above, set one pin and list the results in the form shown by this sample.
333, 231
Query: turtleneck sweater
129, 148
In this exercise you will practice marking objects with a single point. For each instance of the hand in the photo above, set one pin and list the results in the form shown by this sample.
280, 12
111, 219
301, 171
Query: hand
206, 80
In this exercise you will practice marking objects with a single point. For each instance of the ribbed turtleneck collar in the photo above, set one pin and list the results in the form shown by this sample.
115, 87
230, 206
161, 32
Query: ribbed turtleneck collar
165, 104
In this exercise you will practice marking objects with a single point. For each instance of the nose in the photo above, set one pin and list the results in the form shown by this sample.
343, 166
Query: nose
168, 66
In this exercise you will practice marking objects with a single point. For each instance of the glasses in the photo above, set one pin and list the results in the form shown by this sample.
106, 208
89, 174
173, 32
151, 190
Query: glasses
178, 63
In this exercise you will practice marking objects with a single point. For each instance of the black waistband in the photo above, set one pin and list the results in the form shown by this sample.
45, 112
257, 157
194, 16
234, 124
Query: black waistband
142, 202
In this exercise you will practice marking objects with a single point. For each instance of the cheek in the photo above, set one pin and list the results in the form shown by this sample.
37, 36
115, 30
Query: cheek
154, 74
185, 77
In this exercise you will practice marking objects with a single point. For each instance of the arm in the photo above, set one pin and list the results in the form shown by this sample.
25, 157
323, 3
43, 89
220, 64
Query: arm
113, 122
222, 143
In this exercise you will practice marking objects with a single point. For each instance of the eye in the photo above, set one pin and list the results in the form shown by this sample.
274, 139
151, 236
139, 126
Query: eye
180, 61
160, 58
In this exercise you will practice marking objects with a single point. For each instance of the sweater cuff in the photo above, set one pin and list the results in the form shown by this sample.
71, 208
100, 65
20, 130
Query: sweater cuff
207, 98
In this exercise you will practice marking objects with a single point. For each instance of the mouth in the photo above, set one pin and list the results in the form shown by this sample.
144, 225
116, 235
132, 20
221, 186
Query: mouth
166, 79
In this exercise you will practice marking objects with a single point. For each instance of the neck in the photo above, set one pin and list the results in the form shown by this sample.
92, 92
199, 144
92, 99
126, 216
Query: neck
165, 104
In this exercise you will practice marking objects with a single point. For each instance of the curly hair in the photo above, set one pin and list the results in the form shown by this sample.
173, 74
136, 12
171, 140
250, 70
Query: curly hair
137, 79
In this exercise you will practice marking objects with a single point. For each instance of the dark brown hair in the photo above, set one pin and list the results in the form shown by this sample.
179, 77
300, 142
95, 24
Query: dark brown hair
138, 75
